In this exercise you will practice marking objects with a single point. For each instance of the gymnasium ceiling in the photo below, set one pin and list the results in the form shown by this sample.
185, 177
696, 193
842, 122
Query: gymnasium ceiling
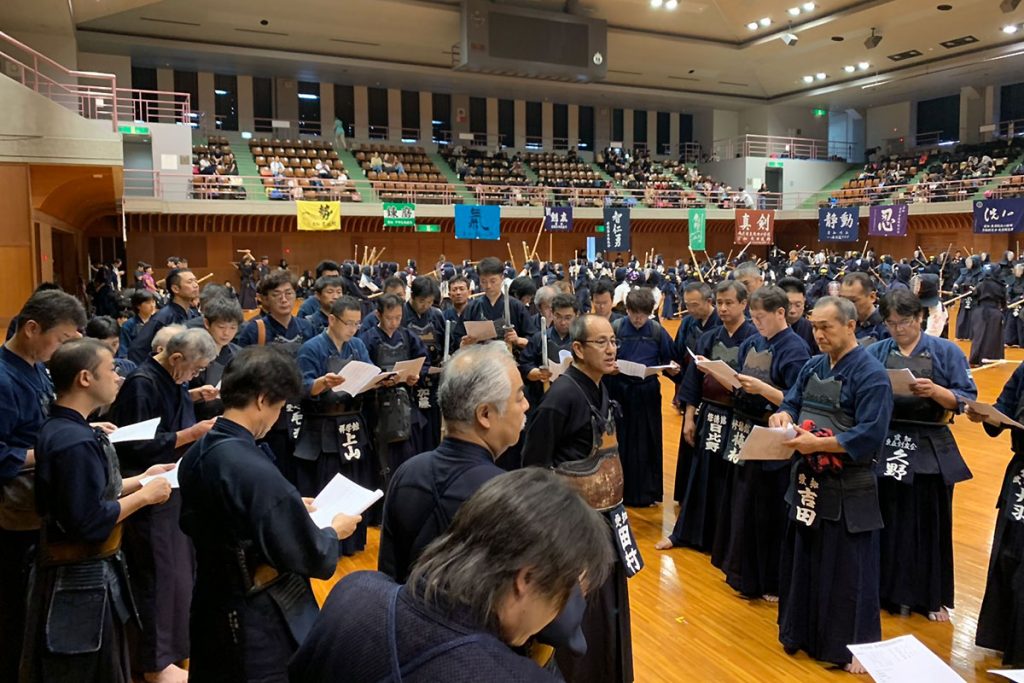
700, 55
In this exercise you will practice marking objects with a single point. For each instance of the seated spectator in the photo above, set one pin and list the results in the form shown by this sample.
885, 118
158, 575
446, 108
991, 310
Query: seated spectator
206, 167
376, 163
276, 167
231, 168
322, 169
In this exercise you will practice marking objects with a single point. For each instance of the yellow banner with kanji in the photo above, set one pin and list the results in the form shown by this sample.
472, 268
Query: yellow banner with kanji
318, 215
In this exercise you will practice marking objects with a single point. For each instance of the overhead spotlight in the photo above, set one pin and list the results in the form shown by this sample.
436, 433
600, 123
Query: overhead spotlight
656, 3
766, 22
809, 6
1008, 5
794, 11
671, 4
790, 39
849, 68
1010, 28
752, 26
863, 66
808, 79
873, 40
821, 75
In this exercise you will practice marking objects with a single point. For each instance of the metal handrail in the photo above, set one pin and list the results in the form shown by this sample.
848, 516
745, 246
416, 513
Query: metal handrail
782, 147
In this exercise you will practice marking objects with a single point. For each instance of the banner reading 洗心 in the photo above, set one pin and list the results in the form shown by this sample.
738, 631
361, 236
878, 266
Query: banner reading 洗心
318, 216
838, 223
616, 223
998, 215
477, 222
399, 215
888, 220
698, 221
754, 227
558, 218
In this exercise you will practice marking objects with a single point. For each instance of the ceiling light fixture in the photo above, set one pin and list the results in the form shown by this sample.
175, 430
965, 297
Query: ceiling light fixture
656, 3
752, 26
794, 11
849, 68
808, 79
671, 4
766, 22
308, 96
809, 6
790, 39
1010, 28
863, 66
1008, 5
821, 75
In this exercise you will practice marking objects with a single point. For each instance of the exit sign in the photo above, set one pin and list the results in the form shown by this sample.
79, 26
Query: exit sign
428, 228
600, 228
774, 164
820, 113
133, 130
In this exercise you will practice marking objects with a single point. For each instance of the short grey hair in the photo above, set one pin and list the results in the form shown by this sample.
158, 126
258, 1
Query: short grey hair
845, 310
544, 296
194, 344
163, 335
476, 375
747, 269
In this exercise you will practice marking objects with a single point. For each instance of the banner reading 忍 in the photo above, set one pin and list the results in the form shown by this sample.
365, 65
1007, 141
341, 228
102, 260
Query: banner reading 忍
998, 215
318, 216
698, 221
477, 222
838, 223
399, 215
616, 223
558, 218
754, 227
887, 221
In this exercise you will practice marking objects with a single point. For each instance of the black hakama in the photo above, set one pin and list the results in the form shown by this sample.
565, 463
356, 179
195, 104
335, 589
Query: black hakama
987, 337
639, 435
751, 559
609, 657
963, 321
705, 482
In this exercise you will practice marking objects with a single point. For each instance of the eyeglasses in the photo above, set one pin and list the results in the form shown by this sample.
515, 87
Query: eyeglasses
282, 294
603, 343
900, 324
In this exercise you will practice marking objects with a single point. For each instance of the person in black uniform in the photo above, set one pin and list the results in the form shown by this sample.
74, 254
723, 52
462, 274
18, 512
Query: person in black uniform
987, 317
256, 545
79, 586
858, 289
491, 306
796, 292
326, 291
422, 317
222, 317
184, 289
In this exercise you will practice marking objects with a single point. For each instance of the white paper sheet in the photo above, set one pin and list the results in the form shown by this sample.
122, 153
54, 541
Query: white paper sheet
140, 431
1016, 675
766, 443
903, 659
342, 495
408, 368
628, 367
171, 477
558, 369
656, 369
992, 414
360, 377
435, 370
481, 330
721, 371
901, 381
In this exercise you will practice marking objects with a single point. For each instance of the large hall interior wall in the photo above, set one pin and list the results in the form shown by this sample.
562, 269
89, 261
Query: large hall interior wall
798, 175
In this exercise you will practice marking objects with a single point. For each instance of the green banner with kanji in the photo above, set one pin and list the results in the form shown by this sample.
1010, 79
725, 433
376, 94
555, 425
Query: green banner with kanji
399, 215
698, 220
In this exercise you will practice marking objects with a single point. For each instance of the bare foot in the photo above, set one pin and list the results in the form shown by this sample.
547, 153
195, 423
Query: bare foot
770, 598
855, 667
941, 615
171, 674
663, 544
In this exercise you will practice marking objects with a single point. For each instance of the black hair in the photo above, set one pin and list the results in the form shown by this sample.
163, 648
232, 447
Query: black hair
260, 371
732, 285
327, 265
792, 284
278, 278
491, 265
861, 279
563, 301
393, 282
141, 296
602, 286
345, 303
223, 309
640, 300
387, 302
71, 358
323, 282
902, 302
174, 277
423, 287
459, 278
769, 299
702, 287
522, 286
102, 327
51, 308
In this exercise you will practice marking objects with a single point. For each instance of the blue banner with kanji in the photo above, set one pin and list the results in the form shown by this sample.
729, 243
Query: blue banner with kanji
838, 223
888, 220
477, 222
998, 215
616, 224
558, 218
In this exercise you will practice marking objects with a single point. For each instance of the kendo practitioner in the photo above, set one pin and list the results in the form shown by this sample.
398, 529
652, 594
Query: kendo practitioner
184, 289
105, 330
531, 361
222, 317
706, 422
748, 537
920, 463
421, 316
573, 430
987, 317
392, 416
796, 313
48, 319
143, 304
970, 273
458, 299
1013, 326
602, 300
471, 598
326, 291
999, 623
819, 286
160, 556
256, 545
80, 600
484, 407
278, 327
700, 317
640, 340
329, 269
858, 289
392, 285
828, 578
334, 438
491, 306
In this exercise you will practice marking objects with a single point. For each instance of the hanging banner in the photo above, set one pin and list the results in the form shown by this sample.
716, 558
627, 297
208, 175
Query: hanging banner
838, 224
558, 218
318, 215
998, 215
754, 227
698, 221
399, 215
477, 222
616, 222
887, 221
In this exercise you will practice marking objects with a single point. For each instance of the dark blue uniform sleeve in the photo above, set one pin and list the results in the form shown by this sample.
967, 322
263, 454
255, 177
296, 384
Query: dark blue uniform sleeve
248, 335
872, 411
531, 356
290, 540
138, 401
310, 362
953, 371
12, 458
793, 401
142, 345
75, 501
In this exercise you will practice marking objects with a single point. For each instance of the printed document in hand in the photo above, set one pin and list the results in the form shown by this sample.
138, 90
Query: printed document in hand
992, 414
721, 371
342, 495
171, 476
902, 380
639, 370
360, 377
408, 368
766, 443
140, 431
564, 361
1016, 675
481, 330
903, 659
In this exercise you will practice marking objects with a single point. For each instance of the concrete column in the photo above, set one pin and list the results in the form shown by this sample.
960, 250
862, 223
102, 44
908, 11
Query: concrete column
327, 111
673, 135
426, 118
246, 117
627, 128
972, 114
519, 124
492, 123
165, 83
602, 127
207, 100
652, 132
286, 95
574, 126
362, 113
547, 124
394, 115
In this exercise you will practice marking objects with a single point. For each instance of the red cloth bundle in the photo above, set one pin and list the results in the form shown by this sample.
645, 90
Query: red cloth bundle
820, 462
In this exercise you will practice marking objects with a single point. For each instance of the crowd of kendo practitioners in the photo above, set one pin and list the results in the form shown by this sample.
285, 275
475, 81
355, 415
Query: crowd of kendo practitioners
508, 461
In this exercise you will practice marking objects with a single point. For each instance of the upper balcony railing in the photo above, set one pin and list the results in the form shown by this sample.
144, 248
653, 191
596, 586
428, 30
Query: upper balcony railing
780, 147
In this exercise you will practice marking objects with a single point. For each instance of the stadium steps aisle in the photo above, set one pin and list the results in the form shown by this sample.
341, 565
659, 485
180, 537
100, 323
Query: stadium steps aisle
836, 184
444, 169
246, 166
356, 175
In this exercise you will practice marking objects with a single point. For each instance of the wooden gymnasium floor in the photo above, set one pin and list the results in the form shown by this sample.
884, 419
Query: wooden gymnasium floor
688, 625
